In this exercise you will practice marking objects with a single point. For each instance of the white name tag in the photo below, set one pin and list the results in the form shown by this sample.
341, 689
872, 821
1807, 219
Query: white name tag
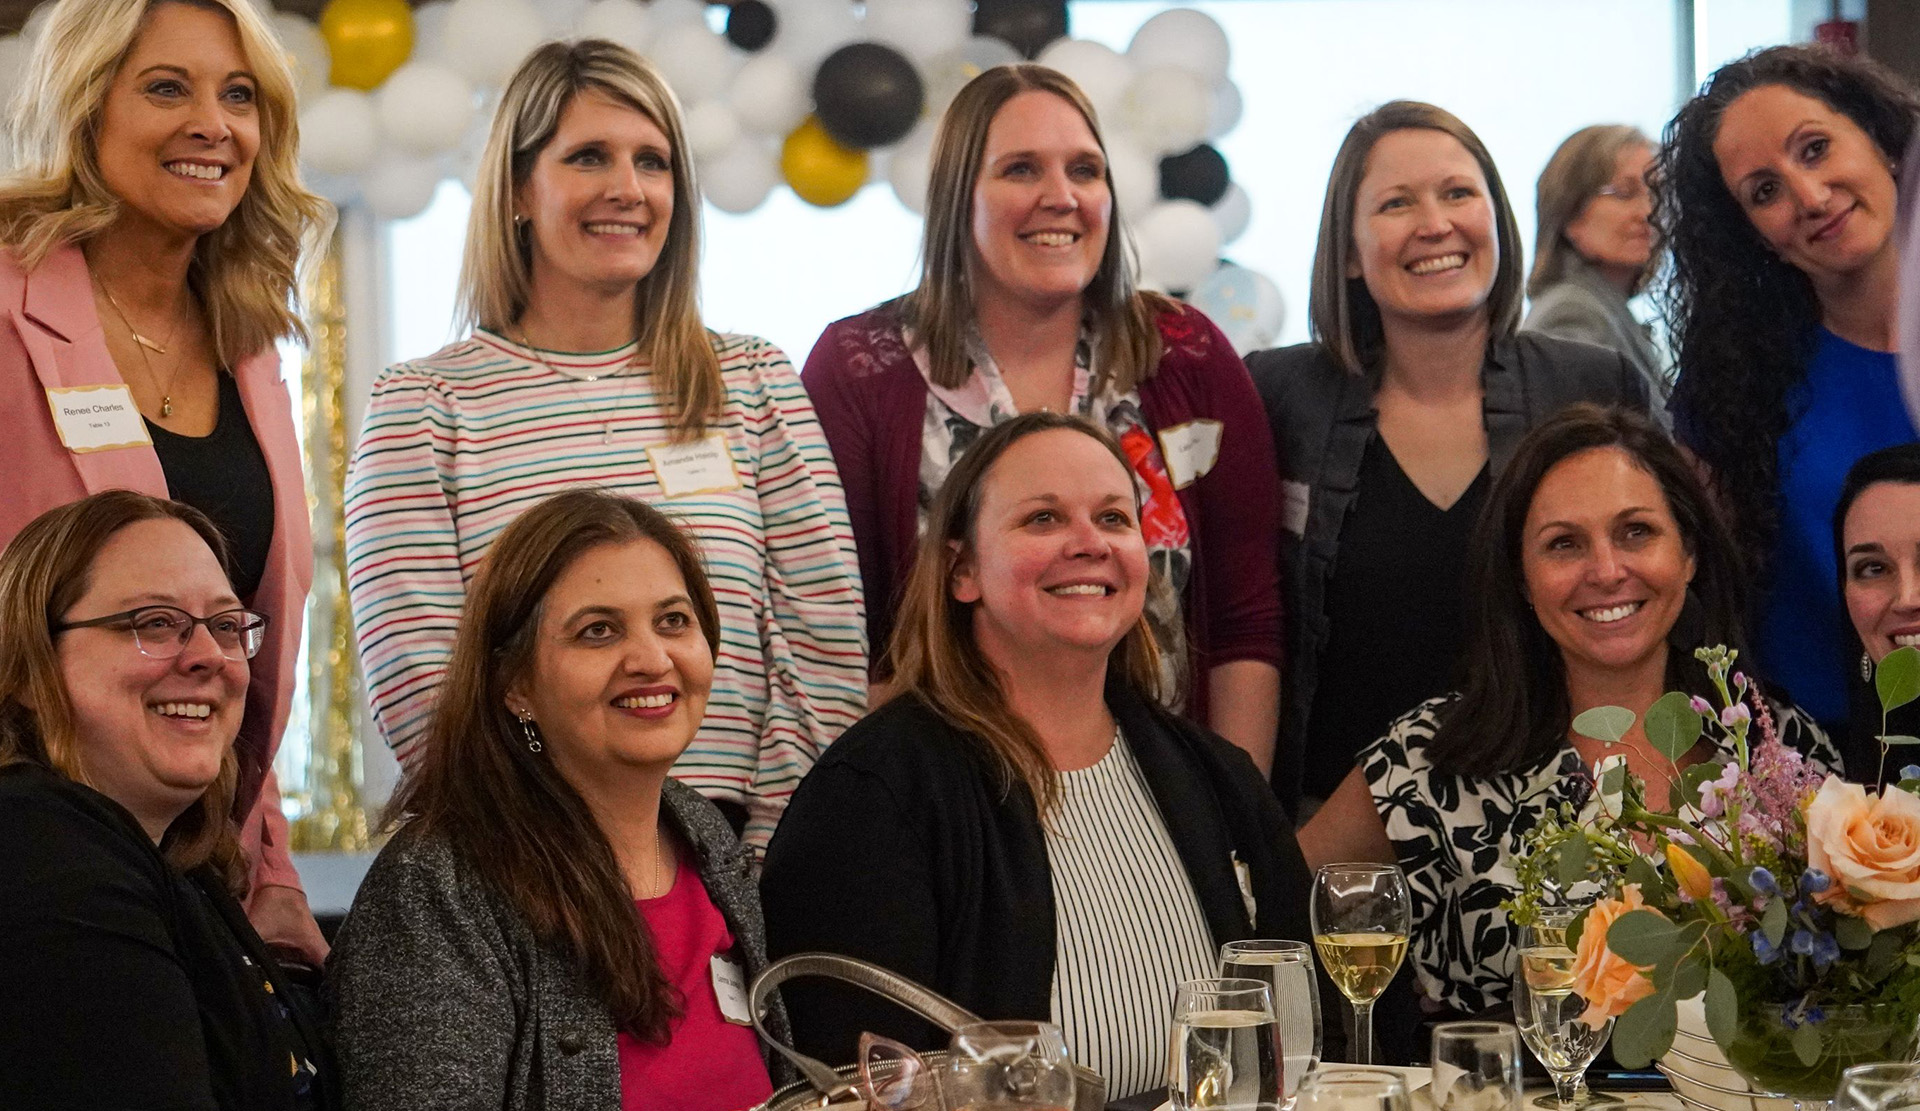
97, 418
730, 988
1294, 503
1190, 449
702, 467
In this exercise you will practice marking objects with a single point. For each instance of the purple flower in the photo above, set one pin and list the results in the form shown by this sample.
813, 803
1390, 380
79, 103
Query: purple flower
1763, 882
1911, 771
1764, 950
1714, 792
1736, 714
1814, 882
1701, 706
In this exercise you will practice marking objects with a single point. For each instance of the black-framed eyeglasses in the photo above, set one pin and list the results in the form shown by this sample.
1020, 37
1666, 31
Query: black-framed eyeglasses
161, 632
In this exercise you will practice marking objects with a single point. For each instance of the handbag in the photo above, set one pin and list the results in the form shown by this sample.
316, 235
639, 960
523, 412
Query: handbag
821, 1084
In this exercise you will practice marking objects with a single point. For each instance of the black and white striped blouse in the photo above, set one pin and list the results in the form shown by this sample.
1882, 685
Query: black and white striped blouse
1128, 925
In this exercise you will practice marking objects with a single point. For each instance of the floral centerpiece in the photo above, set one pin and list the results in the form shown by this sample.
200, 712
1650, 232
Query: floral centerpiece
1786, 895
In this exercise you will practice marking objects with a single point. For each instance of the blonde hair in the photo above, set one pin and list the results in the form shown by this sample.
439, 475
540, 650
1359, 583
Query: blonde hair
1341, 312
496, 272
43, 571
940, 309
244, 272
1573, 177
933, 653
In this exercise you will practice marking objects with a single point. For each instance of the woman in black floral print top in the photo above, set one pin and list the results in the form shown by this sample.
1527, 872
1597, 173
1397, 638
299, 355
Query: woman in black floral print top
1599, 567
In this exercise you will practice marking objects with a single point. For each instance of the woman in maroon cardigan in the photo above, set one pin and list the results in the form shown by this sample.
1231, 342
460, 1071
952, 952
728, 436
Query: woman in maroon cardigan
1026, 301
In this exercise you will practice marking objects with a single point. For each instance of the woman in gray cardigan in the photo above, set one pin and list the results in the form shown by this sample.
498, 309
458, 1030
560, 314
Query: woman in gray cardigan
558, 924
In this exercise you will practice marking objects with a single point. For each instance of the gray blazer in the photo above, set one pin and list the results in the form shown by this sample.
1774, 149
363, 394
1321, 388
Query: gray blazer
442, 997
1322, 420
1586, 307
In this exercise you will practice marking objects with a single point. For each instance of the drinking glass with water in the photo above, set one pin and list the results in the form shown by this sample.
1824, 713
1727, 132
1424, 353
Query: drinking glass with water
1287, 967
1226, 1052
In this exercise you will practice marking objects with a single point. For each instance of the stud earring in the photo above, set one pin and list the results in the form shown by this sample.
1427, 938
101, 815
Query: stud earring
526, 727
1866, 667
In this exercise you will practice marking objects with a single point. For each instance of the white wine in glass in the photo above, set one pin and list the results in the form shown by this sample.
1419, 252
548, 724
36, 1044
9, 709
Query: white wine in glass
1361, 919
1225, 1047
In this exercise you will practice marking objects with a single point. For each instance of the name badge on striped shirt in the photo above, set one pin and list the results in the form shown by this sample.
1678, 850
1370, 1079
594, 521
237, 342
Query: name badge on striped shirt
704, 466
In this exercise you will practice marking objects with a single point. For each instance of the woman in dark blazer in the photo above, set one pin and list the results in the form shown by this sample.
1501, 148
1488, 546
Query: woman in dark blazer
1023, 828
1391, 426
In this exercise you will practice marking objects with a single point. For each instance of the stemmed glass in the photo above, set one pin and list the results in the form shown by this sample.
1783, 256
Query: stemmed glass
1224, 1047
1361, 919
1548, 1010
1287, 966
1008, 1065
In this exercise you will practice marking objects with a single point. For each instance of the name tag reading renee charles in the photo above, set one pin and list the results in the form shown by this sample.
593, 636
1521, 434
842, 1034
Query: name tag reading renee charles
704, 466
97, 418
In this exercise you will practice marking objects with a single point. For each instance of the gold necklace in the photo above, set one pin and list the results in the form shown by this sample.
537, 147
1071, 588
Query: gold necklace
574, 380
142, 344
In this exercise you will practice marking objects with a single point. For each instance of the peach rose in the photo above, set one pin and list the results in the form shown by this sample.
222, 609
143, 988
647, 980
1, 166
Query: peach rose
1606, 981
1870, 848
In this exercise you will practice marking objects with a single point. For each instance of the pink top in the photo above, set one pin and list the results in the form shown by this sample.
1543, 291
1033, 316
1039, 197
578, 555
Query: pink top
711, 1064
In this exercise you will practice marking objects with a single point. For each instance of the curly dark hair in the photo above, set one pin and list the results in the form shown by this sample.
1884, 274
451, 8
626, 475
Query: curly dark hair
1742, 319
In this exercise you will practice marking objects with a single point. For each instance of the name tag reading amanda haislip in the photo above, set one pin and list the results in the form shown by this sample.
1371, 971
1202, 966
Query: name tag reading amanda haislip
704, 466
97, 418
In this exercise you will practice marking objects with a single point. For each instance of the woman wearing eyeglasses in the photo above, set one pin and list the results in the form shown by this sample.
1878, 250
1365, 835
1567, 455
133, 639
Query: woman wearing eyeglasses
133, 979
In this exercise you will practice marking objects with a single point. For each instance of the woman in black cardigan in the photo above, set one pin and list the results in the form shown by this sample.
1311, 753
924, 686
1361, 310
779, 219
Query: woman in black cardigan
1021, 828
133, 979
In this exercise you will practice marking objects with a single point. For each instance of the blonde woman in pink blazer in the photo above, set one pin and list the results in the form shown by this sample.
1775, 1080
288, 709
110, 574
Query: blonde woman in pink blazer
146, 271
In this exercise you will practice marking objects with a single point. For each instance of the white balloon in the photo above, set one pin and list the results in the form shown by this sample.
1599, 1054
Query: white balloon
919, 28
770, 94
1100, 72
341, 189
739, 180
1224, 115
1136, 177
809, 30
306, 51
425, 108
430, 31
562, 16
1233, 212
626, 22
340, 132
712, 130
673, 13
946, 73
697, 63
1166, 109
1244, 304
487, 39
1185, 39
400, 186
910, 167
1179, 244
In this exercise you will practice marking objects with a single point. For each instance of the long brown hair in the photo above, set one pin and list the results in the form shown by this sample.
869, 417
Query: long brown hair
934, 654
940, 310
1341, 312
1573, 177
506, 811
44, 570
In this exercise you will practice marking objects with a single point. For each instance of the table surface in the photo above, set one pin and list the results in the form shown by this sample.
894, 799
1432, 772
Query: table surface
1418, 1087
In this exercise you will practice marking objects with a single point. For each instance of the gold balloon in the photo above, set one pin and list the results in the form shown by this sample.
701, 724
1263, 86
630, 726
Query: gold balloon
369, 39
821, 171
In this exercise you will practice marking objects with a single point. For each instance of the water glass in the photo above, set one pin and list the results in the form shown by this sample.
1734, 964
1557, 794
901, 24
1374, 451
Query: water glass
1361, 919
1888, 1086
1345, 1089
1476, 1067
1224, 1053
1287, 966
1008, 1065
1548, 1010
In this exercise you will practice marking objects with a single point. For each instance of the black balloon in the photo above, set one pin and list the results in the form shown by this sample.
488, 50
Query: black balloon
1197, 175
750, 25
867, 95
1026, 25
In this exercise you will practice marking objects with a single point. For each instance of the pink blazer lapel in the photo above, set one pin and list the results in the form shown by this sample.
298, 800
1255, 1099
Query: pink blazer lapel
58, 326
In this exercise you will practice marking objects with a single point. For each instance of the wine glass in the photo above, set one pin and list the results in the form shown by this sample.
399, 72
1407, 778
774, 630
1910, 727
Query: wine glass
1888, 1086
1342, 1089
995, 1065
1476, 1067
1548, 1010
1361, 919
1287, 966
1224, 1047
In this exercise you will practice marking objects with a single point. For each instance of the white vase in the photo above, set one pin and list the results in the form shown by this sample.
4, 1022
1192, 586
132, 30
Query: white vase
1701, 1076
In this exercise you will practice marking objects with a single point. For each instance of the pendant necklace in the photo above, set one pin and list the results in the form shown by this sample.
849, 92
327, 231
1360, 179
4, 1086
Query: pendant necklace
606, 418
142, 344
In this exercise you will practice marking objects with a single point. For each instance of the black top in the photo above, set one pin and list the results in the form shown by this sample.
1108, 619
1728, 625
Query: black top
902, 847
126, 984
1395, 607
224, 475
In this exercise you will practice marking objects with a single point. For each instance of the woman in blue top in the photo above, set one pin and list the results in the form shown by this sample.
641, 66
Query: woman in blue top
1778, 196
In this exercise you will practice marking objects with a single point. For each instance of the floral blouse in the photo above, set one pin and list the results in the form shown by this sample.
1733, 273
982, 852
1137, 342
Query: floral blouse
1457, 838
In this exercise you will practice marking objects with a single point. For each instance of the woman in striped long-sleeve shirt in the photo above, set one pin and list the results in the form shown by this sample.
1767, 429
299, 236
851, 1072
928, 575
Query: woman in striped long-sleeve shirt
588, 364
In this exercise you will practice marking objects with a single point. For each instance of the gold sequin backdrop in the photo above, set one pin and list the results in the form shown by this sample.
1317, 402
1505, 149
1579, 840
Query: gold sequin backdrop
334, 817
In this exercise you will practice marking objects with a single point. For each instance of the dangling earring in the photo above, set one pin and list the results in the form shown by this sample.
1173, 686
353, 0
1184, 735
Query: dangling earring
526, 726
1866, 667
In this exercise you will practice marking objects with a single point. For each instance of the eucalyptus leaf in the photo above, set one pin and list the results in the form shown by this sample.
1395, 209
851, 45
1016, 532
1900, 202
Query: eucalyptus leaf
1807, 1042
1723, 1008
1575, 855
1574, 929
1896, 679
1690, 977
1645, 1031
1852, 933
1643, 938
1653, 886
1613, 781
1609, 723
1773, 921
1697, 777
1899, 739
1885, 955
1673, 727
